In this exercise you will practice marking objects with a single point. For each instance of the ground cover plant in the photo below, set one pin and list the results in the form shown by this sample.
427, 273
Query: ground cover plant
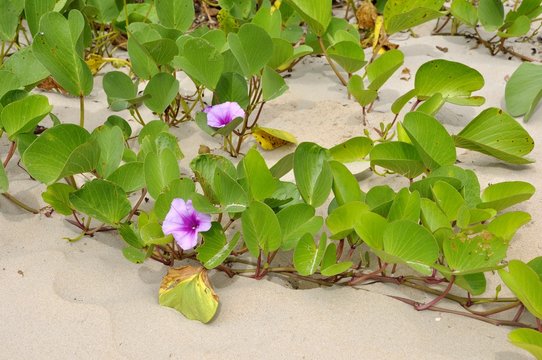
441, 233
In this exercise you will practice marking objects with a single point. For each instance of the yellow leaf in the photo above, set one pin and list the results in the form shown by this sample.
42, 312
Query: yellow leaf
270, 139
95, 63
187, 290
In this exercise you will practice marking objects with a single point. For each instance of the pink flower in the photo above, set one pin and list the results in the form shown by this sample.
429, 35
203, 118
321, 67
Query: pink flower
222, 114
184, 223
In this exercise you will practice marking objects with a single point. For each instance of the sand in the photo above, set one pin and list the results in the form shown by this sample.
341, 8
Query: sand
83, 300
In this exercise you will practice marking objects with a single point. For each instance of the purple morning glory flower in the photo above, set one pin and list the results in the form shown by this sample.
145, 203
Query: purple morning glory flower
184, 223
222, 114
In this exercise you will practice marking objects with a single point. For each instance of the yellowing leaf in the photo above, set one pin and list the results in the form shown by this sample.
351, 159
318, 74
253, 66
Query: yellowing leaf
95, 62
270, 139
187, 290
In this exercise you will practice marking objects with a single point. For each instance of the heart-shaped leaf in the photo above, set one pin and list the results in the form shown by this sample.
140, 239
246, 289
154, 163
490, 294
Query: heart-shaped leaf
24, 115
216, 248
503, 195
527, 339
55, 47
261, 229
161, 91
252, 47
307, 256
316, 13
101, 200
523, 90
202, 62
176, 14
497, 134
431, 140
73, 153
399, 157
312, 173
402, 15
296, 221
526, 285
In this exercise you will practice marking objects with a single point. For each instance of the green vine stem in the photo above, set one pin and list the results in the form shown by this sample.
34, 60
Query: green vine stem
333, 67
19, 203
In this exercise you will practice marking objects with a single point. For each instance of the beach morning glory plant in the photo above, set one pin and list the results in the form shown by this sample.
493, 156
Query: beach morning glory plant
221, 115
184, 223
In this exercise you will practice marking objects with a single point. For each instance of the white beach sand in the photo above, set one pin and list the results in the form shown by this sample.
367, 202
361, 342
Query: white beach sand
83, 300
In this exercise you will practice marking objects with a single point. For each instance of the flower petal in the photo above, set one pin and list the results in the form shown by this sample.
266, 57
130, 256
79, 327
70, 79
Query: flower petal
204, 222
186, 239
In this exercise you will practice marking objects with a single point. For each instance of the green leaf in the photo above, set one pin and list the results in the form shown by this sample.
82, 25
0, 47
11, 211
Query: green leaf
73, 154
312, 173
261, 229
402, 15
111, 143
231, 87
454, 81
448, 199
270, 20
215, 248
134, 255
152, 234
527, 339
520, 27
178, 188
345, 185
431, 140
536, 265
380, 70
162, 90
120, 90
526, 285
143, 64
22, 116
370, 228
273, 84
316, 13
108, 10
295, 221
204, 167
522, 92
58, 196
379, 198
464, 11
409, 243
232, 196
187, 290
11, 11
469, 255
283, 166
506, 225
160, 170
503, 195
202, 62
306, 256
101, 200
357, 89
34, 10
348, 55
130, 236
491, 14
497, 134
283, 51
329, 266
405, 206
117, 121
55, 47
8, 81
432, 105
432, 216
252, 47
176, 14
261, 182
341, 221
26, 67
354, 149
399, 157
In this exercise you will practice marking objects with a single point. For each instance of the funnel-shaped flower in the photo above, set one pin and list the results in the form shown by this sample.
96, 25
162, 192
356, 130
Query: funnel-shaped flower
184, 223
222, 114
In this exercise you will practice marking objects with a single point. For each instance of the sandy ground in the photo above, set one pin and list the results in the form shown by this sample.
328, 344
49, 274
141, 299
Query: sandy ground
83, 300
